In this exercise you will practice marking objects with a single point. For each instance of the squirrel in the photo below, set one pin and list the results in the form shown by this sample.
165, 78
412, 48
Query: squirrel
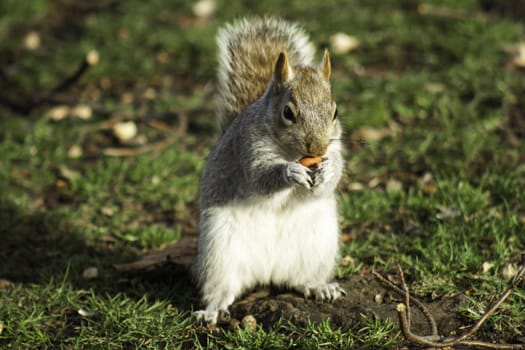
266, 219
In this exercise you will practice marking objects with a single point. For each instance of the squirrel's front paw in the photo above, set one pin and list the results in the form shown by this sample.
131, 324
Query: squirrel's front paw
323, 172
298, 173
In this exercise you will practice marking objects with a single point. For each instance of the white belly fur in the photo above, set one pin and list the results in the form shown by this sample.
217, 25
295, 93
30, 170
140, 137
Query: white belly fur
268, 240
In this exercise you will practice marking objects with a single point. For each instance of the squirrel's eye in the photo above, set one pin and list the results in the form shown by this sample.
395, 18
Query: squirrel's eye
335, 114
289, 115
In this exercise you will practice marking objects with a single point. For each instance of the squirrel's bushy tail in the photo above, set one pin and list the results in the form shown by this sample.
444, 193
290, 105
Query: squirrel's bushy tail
248, 51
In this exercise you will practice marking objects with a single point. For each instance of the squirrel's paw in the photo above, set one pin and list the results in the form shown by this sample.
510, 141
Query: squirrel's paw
325, 292
324, 172
299, 174
212, 317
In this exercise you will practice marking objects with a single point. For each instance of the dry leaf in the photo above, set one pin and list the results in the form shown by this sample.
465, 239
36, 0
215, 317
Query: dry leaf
150, 94
68, 173
85, 313
90, 273
108, 211
487, 266
447, 213
370, 134
5, 283
182, 252
519, 58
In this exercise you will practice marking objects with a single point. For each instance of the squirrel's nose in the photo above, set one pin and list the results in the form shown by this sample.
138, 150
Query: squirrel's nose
316, 148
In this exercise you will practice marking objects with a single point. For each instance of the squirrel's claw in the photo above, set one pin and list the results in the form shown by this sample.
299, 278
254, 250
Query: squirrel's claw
325, 292
299, 174
212, 317
322, 173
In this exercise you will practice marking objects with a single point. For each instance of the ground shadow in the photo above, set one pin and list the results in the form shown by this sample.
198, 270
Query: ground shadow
36, 248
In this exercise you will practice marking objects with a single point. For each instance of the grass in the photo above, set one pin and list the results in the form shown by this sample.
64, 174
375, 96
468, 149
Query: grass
439, 188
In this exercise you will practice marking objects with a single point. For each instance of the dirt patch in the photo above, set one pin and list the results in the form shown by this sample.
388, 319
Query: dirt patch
366, 297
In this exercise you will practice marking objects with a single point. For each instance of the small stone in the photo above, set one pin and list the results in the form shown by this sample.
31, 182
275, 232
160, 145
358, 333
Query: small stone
394, 185
203, 8
90, 273
92, 57
234, 324
434, 87
127, 98
487, 266
224, 317
356, 186
108, 211
82, 112
519, 57
342, 43
509, 271
347, 260
374, 182
75, 151
32, 41
58, 113
378, 298
150, 94
125, 131
249, 323
155, 180
5, 283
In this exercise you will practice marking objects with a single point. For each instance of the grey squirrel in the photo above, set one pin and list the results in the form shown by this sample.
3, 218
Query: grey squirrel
265, 218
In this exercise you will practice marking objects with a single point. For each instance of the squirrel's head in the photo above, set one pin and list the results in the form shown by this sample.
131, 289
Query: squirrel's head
304, 113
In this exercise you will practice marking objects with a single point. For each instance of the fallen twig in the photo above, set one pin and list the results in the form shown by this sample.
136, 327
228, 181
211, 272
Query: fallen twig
437, 341
441, 11
70, 80
418, 303
26, 103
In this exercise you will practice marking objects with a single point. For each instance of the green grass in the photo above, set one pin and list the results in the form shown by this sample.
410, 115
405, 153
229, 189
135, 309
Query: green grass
441, 191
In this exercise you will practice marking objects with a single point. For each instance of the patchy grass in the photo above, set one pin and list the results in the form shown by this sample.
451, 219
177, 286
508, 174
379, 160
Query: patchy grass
434, 118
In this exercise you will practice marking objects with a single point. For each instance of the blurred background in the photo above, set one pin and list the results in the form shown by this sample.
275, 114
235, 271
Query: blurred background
107, 116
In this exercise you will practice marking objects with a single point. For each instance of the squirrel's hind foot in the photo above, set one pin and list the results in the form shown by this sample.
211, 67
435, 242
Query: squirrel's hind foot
324, 292
212, 317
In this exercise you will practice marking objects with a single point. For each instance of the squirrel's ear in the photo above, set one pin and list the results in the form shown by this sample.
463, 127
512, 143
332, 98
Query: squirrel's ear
325, 65
283, 70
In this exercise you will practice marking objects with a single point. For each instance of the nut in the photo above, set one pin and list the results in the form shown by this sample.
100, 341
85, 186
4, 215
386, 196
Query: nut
249, 323
310, 161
